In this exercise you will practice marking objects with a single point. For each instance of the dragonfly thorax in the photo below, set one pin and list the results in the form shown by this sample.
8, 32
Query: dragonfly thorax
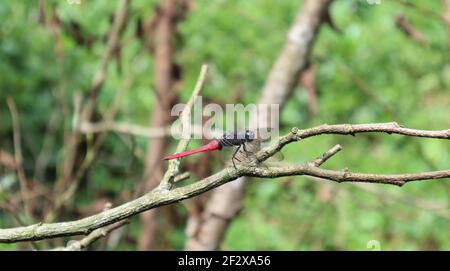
237, 138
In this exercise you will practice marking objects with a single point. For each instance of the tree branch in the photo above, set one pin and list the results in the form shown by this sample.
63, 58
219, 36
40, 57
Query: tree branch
388, 127
127, 129
92, 237
160, 197
349, 129
342, 176
327, 155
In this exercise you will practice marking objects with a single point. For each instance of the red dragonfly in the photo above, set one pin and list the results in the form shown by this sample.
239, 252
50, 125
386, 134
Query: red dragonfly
229, 139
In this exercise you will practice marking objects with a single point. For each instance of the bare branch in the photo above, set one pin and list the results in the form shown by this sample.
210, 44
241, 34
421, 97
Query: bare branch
349, 129
327, 155
181, 177
92, 237
402, 23
342, 176
18, 157
126, 128
113, 39
123, 128
172, 170
388, 127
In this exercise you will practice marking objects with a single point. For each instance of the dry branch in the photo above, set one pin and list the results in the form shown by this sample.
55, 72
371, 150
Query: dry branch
92, 237
172, 171
18, 158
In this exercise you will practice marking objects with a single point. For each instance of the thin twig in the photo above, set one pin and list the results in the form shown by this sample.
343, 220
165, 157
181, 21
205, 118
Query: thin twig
127, 128
92, 237
23, 183
92, 150
181, 177
173, 168
113, 39
402, 23
344, 175
44, 155
123, 128
327, 155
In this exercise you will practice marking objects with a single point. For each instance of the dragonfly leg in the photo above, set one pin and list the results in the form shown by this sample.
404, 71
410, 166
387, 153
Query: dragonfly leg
245, 149
234, 156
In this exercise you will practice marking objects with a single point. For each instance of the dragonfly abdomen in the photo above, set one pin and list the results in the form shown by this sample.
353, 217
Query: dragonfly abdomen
211, 146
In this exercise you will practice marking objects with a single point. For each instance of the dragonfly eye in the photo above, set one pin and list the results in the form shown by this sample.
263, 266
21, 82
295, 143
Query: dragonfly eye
249, 135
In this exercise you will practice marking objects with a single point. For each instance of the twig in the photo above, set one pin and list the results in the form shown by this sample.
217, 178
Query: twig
126, 128
100, 75
388, 127
172, 170
160, 197
92, 237
408, 29
44, 155
181, 177
23, 183
342, 176
327, 155
92, 149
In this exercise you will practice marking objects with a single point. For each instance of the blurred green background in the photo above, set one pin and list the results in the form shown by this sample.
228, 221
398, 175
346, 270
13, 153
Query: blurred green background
368, 71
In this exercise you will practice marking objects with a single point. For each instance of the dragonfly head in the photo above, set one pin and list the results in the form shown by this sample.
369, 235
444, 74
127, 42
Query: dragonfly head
249, 136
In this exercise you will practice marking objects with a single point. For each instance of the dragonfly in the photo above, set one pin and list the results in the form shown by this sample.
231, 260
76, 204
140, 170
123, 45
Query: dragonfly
229, 139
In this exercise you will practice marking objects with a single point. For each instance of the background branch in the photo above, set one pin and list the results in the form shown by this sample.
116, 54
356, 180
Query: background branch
92, 237
72, 140
18, 159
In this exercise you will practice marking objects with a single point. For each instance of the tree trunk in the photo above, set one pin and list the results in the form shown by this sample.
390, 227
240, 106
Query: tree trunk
164, 88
